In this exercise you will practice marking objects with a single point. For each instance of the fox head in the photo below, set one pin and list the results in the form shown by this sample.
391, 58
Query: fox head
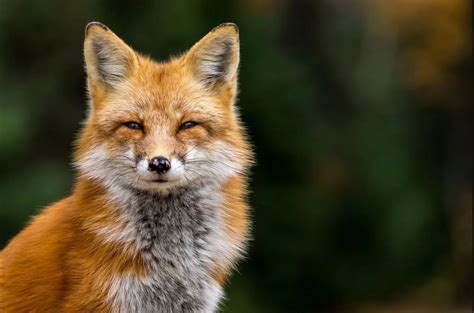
158, 126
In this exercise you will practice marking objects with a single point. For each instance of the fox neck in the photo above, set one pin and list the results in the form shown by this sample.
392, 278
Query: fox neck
179, 237
177, 227
152, 221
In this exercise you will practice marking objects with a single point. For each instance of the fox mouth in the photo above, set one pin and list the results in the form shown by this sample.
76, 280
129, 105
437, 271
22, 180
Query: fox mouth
160, 180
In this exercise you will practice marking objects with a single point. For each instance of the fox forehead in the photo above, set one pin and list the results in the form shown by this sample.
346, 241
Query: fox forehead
161, 91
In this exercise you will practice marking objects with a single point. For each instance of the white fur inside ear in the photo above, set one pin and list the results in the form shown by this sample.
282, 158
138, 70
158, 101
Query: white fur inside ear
217, 61
111, 62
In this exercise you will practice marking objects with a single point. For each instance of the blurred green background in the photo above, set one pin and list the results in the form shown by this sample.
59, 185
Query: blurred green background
360, 113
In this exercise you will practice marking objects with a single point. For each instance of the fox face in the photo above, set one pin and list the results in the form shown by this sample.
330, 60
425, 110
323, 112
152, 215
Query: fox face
161, 126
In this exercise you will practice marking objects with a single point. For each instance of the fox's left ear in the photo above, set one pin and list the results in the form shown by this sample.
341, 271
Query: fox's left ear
108, 59
214, 60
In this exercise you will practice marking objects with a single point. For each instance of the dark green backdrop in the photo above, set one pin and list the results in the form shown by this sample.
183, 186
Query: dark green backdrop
363, 162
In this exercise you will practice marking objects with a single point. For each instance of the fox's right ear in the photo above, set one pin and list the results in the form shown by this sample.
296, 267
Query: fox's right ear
108, 59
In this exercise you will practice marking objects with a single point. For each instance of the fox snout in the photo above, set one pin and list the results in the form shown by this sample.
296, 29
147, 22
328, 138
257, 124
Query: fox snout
159, 169
159, 164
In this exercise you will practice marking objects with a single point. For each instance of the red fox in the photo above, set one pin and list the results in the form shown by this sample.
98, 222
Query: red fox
158, 215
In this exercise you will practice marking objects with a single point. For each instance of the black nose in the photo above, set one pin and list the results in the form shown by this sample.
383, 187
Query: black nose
159, 164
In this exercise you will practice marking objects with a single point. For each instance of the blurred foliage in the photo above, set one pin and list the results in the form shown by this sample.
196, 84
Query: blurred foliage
437, 47
359, 112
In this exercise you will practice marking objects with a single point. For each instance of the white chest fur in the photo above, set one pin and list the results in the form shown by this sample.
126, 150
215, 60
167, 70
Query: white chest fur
182, 240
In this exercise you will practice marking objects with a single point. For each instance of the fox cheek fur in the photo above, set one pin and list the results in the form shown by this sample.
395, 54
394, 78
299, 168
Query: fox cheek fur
158, 216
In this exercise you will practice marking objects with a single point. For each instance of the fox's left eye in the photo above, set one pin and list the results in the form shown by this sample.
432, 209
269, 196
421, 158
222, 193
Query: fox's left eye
188, 124
133, 125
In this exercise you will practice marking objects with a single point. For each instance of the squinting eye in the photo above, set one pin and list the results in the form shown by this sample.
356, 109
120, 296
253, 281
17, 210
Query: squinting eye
133, 125
188, 124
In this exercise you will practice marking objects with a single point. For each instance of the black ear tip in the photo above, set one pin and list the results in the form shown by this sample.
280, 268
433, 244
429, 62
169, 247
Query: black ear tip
91, 25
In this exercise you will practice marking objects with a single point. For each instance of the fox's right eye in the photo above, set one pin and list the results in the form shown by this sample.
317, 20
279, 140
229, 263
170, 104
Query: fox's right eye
133, 125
